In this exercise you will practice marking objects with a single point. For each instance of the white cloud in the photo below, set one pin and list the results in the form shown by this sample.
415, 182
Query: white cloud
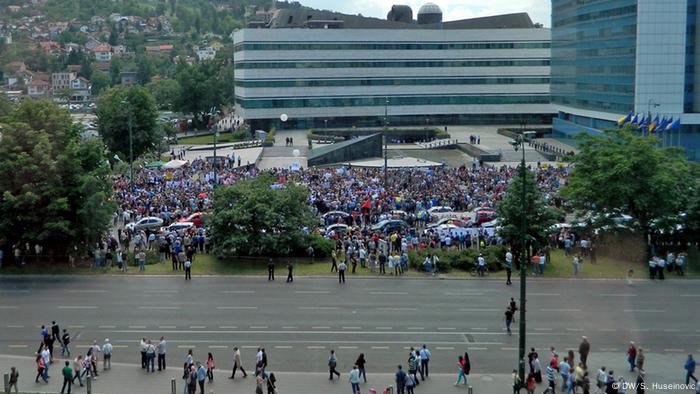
539, 10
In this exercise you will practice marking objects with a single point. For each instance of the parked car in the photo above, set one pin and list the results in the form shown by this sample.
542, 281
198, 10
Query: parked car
338, 228
440, 209
178, 226
449, 220
197, 218
391, 225
332, 217
147, 223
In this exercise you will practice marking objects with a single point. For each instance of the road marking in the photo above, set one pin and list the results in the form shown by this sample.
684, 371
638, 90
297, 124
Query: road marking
87, 291
249, 347
186, 347
106, 326
318, 308
446, 328
120, 346
609, 349
574, 329
639, 329
644, 310
218, 347
15, 291
7, 307
690, 295
559, 310
544, 294
415, 328
236, 307
388, 292
237, 292
167, 327
15, 326
313, 292
78, 307
258, 327
543, 329
397, 309
320, 328
478, 348
228, 327
674, 350
289, 327
464, 294
480, 310
315, 347
282, 347
479, 329
607, 329
444, 348
17, 346
141, 327
158, 307
671, 330
76, 326
618, 295
198, 327
380, 347
383, 328
161, 291
509, 348
347, 347
351, 328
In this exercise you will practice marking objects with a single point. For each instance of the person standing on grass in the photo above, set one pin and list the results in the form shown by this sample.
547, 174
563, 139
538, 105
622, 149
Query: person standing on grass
141, 258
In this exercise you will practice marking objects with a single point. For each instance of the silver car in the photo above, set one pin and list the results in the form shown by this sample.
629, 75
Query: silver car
147, 223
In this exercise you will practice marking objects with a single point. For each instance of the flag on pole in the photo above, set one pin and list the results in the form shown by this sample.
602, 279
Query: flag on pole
675, 125
654, 124
624, 120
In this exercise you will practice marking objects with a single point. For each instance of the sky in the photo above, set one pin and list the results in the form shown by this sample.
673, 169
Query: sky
539, 10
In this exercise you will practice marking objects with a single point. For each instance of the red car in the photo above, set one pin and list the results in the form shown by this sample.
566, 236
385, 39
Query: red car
197, 218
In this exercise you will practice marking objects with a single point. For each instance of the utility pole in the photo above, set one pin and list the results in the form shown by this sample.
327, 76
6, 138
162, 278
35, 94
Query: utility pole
386, 146
131, 147
523, 261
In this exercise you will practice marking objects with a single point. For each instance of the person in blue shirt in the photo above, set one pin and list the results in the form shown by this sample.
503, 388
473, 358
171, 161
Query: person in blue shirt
201, 376
690, 369
400, 381
424, 360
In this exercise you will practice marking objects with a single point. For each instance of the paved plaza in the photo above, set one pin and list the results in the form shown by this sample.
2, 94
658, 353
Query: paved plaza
300, 323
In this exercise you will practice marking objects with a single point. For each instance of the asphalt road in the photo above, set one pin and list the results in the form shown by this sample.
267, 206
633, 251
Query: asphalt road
299, 323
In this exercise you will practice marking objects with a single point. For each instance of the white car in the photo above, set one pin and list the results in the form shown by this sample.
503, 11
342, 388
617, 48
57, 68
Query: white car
440, 209
177, 226
147, 223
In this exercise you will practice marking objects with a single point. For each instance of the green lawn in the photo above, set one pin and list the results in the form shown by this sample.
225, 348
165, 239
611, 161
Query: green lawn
560, 267
206, 139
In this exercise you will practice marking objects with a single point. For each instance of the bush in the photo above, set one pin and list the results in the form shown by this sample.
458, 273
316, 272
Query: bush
240, 135
152, 257
323, 247
463, 260
270, 139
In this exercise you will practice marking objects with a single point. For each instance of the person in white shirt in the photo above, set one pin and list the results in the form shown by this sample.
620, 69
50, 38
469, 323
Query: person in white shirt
107, 355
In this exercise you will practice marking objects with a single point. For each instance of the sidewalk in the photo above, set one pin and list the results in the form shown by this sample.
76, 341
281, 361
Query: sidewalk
129, 378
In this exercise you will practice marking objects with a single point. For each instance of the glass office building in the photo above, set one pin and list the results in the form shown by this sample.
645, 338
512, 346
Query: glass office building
611, 58
350, 77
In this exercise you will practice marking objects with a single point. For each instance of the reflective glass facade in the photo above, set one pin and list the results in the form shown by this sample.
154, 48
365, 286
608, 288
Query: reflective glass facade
593, 54
284, 83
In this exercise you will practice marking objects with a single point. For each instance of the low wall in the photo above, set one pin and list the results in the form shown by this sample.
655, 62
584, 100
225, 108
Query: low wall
478, 153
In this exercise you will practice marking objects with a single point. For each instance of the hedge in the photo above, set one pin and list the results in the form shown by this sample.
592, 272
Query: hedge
270, 139
463, 260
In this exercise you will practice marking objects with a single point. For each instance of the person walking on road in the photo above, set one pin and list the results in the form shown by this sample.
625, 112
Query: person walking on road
237, 364
583, 349
424, 361
632, 356
67, 378
509, 267
355, 379
41, 369
460, 371
210, 367
77, 370
201, 376
400, 380
509, 320
290, 269
640, 359
162, 350
564, 371
270, 270
690, 369
13, 381
361, 362
107, 355
65, 341
332, 364
341, 271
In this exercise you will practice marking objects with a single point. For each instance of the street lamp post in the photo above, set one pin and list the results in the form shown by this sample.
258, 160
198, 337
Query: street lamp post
386, 148
216, 162
131, 145
520, 144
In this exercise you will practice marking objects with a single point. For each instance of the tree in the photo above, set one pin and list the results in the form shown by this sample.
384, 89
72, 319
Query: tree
99, 82
143, 70
165, 92
115, 72
252, 218
202, 88
622, 172
55, 187
119, 106
6, 106
539, 215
